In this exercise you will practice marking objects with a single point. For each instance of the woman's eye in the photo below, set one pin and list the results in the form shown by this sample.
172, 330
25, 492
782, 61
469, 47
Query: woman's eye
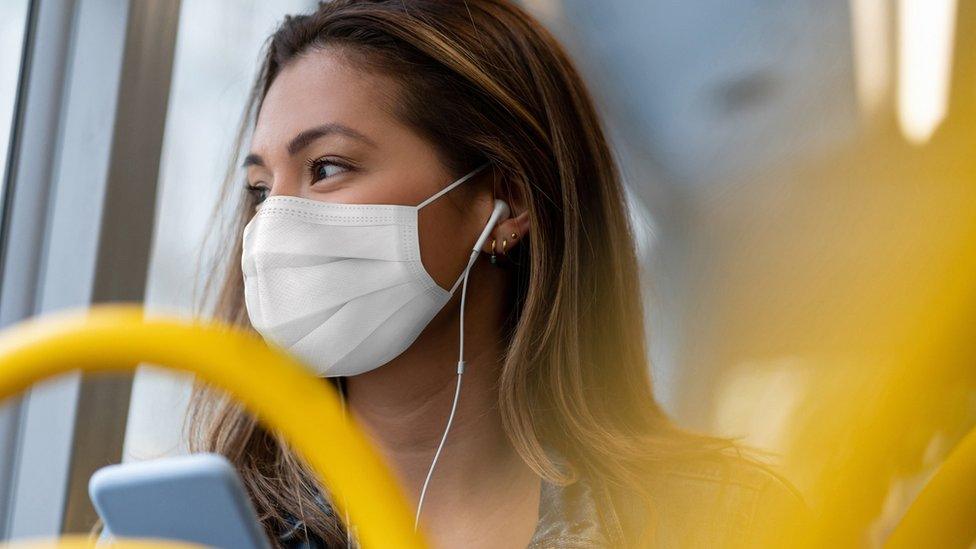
321, 169
257, 192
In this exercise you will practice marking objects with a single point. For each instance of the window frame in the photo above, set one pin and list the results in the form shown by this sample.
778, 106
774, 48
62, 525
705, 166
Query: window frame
85, 154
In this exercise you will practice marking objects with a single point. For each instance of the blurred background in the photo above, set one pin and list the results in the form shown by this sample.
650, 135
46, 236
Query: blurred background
802, 178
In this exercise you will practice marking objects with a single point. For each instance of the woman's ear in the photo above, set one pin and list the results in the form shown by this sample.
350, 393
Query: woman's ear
508, 233
514, 229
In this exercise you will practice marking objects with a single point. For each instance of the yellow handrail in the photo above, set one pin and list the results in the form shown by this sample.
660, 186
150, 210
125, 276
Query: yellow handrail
270, 384
942, 514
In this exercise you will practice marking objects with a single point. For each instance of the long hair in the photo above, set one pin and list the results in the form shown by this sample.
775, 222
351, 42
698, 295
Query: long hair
484, 81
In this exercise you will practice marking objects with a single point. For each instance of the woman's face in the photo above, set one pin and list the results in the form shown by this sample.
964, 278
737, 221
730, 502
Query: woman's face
325, 132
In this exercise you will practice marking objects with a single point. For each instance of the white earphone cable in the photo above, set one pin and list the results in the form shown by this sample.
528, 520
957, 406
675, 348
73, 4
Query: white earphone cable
457, 391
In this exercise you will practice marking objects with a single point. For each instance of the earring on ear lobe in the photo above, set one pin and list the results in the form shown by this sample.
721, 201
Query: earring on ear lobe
504, 246
493, 258
514, 236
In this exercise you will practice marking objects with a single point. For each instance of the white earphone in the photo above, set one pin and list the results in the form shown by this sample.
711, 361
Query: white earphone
501, 211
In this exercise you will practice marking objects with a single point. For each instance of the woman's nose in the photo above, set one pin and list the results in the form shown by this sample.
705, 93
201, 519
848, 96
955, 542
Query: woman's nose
286, 185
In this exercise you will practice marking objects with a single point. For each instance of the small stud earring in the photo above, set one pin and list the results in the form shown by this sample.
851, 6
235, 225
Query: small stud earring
493, 258
514, 236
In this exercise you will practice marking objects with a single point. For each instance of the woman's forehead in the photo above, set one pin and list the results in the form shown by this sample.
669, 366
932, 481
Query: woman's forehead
322, 87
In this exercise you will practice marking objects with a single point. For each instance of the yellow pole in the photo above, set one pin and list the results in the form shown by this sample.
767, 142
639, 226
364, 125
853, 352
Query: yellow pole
270, 384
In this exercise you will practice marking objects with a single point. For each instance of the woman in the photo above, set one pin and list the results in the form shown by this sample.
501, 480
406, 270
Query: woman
556, 440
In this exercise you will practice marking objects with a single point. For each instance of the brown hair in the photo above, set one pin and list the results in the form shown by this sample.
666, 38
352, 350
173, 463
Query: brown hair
482, 80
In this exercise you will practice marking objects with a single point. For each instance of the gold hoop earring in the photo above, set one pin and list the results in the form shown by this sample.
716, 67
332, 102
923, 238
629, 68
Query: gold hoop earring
493, 258
504, 246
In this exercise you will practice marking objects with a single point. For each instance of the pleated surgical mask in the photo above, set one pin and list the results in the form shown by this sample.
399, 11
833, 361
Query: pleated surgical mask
340, 286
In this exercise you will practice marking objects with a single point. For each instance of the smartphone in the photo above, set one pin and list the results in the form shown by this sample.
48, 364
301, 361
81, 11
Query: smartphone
196, 498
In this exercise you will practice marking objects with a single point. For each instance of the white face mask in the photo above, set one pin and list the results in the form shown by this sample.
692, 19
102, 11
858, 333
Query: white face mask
340, 286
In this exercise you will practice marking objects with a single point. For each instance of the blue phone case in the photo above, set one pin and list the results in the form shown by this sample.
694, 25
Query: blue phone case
196, 498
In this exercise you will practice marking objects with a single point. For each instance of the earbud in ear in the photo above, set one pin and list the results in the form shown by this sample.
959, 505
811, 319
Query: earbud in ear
501, 207
499, 212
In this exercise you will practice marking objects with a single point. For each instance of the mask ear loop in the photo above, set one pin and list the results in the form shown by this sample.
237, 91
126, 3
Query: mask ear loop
448, 188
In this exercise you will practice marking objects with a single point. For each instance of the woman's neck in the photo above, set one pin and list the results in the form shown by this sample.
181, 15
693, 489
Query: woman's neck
405, 405
406, 417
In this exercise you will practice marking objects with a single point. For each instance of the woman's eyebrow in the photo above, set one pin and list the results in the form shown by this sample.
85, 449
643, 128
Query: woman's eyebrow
306, 137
